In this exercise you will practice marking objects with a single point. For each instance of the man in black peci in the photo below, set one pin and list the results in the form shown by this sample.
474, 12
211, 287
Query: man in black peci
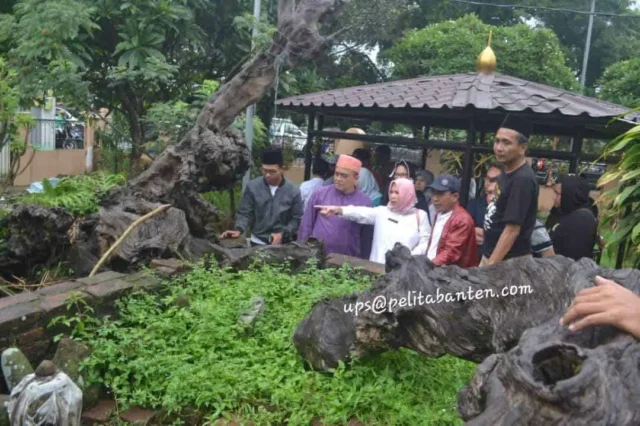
271, 206
510, 220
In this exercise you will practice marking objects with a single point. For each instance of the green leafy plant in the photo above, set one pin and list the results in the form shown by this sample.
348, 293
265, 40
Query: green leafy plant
185, 351
227, 202
169, 122
82, 321
452, 47
79, 194
620, 206
14, 125
619, 83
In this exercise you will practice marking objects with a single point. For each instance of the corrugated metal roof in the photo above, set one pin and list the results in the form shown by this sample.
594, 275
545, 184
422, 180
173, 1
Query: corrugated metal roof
481, 91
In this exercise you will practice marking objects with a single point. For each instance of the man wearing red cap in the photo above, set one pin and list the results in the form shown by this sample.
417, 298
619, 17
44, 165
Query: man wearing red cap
340, 236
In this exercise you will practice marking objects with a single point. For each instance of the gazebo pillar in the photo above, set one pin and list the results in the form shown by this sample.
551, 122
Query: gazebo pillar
308, 154
467, 164
576, 149
425, 151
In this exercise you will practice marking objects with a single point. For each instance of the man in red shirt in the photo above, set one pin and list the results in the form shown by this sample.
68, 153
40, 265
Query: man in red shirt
453, 239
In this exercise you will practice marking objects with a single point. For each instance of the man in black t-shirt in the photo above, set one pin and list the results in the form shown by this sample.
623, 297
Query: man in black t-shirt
510, 220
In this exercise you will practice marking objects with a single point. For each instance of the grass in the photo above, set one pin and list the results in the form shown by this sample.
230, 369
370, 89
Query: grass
161, 355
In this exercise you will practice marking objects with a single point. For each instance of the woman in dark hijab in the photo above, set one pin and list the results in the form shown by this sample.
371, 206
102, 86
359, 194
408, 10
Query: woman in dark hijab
575, 234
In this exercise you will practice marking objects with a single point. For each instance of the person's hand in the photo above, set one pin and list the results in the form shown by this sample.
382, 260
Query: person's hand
608, 303
479, 236
230, 234
328, 211
275, 239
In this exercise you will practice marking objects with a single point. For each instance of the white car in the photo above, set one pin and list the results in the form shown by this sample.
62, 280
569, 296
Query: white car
283, 131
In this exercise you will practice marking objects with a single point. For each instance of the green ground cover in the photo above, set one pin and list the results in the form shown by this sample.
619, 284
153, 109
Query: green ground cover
164, 352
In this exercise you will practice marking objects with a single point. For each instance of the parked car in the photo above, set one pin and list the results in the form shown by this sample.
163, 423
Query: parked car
592, 172
283, 132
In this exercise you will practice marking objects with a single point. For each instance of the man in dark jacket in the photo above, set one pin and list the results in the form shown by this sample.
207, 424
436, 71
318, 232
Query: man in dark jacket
452, 240
477, 207
575, 234
424, 178
271, 206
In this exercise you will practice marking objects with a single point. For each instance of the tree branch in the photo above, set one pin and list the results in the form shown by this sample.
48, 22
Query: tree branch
286, 10
366, 57
296, 38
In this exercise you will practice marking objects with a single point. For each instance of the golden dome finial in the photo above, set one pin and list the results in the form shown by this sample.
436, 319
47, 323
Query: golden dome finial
487, 61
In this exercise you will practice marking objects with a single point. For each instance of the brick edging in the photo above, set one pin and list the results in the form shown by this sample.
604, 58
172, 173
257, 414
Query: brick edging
25, 317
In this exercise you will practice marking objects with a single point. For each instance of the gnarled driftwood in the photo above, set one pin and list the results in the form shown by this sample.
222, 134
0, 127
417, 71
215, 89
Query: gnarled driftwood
209, 157
532, 371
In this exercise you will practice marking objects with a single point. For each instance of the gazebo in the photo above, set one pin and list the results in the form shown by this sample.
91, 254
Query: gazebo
475, 102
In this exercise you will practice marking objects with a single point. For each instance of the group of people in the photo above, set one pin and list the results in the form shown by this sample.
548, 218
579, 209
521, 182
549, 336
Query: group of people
344, 207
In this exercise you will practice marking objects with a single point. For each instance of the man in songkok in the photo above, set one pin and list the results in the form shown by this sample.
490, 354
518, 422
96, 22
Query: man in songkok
340, 236
511, 218
271, 206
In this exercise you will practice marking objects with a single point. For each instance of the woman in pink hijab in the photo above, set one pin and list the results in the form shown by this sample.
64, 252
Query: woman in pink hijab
397, 222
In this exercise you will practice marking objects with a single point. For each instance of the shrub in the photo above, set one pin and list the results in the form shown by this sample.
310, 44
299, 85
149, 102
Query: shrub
79, 194
160, 355
619, 206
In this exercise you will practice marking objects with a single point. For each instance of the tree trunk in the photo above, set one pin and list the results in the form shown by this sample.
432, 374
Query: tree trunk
533, 370
209, 157
134, 113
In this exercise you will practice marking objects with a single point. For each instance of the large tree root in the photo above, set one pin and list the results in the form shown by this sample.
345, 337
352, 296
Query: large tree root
36, 237
296, 255
210, 157
533, 370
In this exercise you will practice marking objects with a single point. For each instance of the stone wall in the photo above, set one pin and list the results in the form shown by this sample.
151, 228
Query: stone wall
25, 318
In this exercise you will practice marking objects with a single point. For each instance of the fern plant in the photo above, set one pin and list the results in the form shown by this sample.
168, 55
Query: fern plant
80, 194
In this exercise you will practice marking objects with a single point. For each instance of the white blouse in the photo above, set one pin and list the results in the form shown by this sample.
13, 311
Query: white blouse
391, 228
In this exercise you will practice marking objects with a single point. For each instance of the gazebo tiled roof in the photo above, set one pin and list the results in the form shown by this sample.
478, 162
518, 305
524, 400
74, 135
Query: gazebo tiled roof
489, 92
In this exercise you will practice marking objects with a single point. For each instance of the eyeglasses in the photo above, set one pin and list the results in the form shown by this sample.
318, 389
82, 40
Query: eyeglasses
492, 179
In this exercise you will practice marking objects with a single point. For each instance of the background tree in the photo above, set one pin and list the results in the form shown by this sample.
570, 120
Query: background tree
621, 83
453, 47
121, 55
170, 121
615, 38
14, 126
